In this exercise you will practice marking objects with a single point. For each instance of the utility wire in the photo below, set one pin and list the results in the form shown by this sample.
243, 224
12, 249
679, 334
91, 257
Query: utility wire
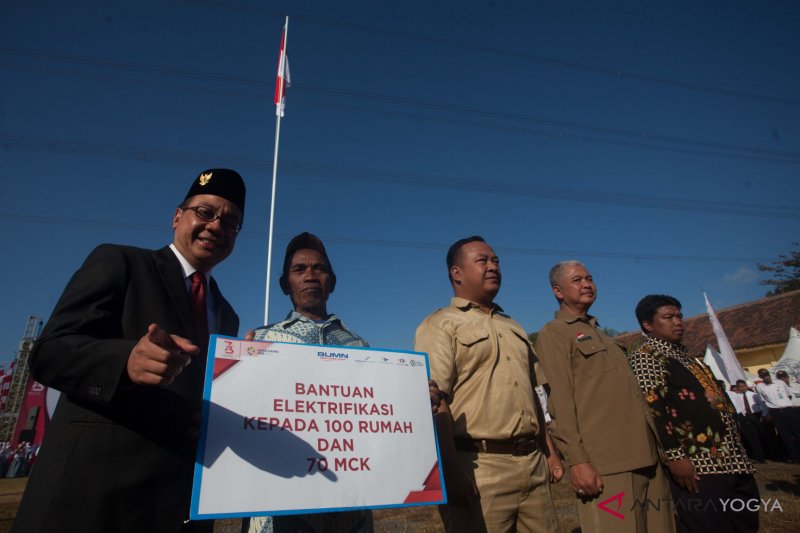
394, 177
506, 53
514, 250
539, 132
300, 100
595, 128
639, 135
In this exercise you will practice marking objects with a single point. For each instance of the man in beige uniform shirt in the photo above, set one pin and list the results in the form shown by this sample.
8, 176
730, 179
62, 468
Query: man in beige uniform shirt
600, 421
496, 472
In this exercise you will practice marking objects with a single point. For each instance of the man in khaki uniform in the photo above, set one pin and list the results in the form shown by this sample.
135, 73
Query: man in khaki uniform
493, 440
600, 421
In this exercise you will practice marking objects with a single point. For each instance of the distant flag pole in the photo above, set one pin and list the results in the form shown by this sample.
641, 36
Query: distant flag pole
732, 369
281, 84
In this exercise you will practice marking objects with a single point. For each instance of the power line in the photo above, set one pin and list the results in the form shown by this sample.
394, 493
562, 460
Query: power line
595, 128
514, 250
299, 101
637, 135
612, 72
151, 68
545, 192
394, 177
550, 134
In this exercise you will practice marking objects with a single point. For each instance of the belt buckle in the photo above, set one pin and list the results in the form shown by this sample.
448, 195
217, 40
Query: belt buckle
517, 450
522, 447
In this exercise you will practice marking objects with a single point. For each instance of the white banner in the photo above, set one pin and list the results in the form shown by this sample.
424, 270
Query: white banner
291, 428
731, 368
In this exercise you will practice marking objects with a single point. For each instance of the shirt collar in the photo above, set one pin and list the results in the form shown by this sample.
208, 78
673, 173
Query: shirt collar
569, 317
465, 305
187, 268
670, 347
294, 316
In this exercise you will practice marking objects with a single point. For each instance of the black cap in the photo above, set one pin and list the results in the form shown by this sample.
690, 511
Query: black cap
304, 241
221, 182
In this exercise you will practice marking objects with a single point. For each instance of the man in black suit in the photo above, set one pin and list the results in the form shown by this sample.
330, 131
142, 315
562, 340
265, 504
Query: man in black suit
126, 345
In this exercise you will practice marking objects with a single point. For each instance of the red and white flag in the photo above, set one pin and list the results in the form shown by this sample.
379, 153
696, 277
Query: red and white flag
284, 80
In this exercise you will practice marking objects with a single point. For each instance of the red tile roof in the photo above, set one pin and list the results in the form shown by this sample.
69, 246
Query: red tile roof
749, 325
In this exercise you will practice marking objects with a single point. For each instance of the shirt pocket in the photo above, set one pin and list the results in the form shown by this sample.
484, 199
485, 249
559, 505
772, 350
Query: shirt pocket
593, 358
473, 349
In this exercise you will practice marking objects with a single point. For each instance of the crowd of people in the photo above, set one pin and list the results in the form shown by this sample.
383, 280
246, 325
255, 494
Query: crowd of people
17, 461
768, 413
649, 434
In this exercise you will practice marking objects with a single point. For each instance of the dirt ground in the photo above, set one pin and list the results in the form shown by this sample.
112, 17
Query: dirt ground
776, 481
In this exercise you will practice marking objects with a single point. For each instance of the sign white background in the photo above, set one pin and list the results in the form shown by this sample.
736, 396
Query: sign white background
250, 472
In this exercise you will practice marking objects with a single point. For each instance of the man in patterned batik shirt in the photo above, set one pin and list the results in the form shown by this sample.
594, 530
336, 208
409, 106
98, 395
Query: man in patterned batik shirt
308, 280
695, 421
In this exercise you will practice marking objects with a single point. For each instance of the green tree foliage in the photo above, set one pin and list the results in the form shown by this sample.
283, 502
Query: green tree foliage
611, 332
785, 272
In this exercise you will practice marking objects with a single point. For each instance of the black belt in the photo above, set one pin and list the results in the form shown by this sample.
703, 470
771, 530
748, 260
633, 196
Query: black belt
522, 446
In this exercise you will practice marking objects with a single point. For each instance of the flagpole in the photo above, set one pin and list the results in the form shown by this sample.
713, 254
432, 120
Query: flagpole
272, 217
279, 113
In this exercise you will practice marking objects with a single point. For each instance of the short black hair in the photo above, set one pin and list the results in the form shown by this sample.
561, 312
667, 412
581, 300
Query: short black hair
647, 307
454, 253
741, 381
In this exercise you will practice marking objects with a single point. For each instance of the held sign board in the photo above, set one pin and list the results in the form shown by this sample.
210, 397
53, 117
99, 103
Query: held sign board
296, 428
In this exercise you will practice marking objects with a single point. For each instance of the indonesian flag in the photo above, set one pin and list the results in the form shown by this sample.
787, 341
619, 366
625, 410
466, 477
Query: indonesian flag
284, 80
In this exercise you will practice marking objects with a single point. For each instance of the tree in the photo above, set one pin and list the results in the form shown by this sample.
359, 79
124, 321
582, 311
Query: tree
785, 272
611, 332
533, 336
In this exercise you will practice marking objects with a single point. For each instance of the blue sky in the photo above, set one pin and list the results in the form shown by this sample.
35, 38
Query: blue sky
657, 142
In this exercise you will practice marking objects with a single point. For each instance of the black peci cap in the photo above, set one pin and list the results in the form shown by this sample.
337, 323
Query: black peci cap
304, 241
221, 182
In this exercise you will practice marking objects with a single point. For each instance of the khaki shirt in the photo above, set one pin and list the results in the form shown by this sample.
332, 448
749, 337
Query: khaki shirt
483, 361
599, 415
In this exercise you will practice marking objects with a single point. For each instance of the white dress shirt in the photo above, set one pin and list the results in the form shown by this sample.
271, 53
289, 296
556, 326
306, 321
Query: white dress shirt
738, 399
188, 270
775, 395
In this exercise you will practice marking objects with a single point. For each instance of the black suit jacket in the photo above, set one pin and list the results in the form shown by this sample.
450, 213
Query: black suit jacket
117, 456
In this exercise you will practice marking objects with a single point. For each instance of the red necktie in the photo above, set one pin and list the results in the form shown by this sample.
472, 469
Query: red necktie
197, 296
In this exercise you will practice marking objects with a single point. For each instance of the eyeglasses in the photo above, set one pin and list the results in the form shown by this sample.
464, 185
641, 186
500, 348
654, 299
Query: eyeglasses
206, 214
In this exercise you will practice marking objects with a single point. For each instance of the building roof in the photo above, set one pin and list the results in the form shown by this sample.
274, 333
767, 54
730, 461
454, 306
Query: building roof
753, 324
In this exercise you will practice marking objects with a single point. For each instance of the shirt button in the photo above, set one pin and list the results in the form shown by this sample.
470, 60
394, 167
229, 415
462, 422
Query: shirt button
508, 357
499, 334
516, 384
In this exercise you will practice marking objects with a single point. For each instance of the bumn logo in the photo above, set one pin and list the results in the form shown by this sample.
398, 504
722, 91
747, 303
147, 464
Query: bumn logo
332, 356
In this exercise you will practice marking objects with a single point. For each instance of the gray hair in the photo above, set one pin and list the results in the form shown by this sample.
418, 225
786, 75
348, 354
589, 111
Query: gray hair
559, 267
